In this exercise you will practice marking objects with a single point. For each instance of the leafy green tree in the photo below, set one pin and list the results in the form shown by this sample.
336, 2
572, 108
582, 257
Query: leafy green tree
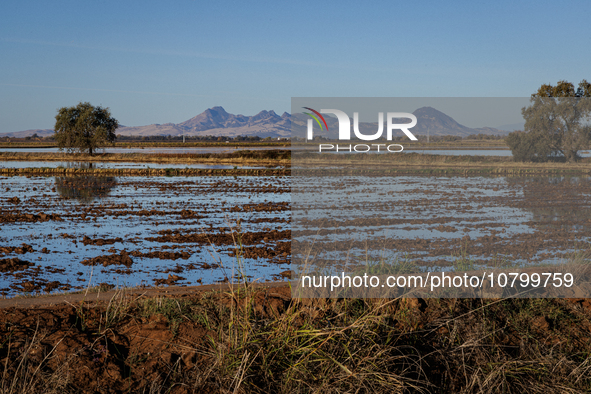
84, 128
556, 123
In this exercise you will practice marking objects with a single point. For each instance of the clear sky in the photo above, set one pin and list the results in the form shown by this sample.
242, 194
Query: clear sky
167, 61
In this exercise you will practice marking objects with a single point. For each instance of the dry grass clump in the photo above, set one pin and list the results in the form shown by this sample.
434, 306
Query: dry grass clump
515, 346
315, 347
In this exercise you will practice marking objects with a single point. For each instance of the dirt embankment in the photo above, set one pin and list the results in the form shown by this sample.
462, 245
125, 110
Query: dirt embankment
248, 339
240, 157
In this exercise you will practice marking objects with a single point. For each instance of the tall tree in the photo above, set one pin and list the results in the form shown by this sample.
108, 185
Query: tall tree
84, 128
556, 123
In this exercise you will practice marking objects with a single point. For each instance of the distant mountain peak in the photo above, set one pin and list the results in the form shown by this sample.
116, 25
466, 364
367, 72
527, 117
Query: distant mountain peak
217, 118
428, 111
434, 122
217, 108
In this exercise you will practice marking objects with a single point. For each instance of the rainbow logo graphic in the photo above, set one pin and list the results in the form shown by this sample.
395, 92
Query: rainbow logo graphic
315, 118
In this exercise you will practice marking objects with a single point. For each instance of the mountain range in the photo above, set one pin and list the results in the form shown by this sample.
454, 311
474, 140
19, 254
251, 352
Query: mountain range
217, 122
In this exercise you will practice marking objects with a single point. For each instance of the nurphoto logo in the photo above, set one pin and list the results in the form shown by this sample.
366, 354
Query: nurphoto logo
345, 130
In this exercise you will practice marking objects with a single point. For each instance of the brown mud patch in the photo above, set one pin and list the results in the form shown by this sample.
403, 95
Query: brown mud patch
222, 237
38, 285
16, 249
162, 255
113, 259
171, 280
100, 241
14, 264
6, 217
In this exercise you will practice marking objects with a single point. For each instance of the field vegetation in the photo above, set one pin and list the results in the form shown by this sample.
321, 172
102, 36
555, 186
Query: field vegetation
259, 340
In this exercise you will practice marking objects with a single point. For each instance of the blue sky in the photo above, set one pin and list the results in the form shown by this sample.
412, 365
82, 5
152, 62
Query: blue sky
158, 62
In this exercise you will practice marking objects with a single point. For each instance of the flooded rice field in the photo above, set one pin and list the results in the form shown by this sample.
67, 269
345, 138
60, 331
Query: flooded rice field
60, 233
438, 222
65, 233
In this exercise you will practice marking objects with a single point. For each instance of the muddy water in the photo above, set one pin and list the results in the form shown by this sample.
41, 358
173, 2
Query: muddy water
437, 221
63, 233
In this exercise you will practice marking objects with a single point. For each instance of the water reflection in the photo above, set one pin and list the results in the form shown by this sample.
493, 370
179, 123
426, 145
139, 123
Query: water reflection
559, 202
85, 188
